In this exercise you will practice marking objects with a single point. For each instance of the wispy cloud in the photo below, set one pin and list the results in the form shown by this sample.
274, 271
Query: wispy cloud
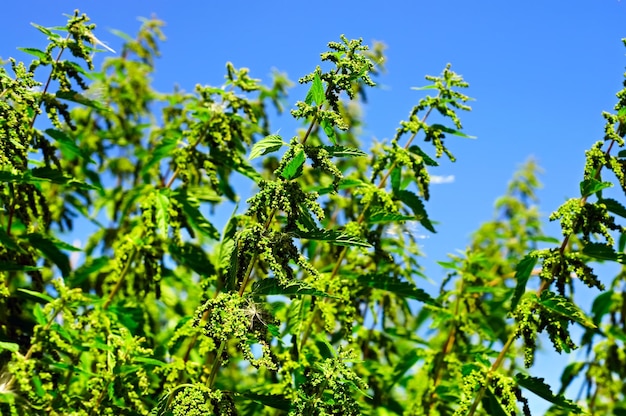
437, 179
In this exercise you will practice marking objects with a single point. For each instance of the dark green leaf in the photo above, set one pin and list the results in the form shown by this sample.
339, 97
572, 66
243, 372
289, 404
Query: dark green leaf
162, 211
565, 307
395, 285
601, 305
266, 145
68, 147
13, 267
541, 389
269, 400
36, 53
329, 130
396, 177
602, 251
445, 129
194, 217
80, 99
417, 206
492, 404
271, 286
381, 217
51, 249
343, 151
405, 363
194, 257
162, 150
89, 269
333, 237
614, 206
293, 168
428, 161
38, 296
591, 186
523, 271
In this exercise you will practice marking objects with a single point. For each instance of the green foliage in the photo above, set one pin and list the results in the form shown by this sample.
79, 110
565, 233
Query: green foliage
308, 301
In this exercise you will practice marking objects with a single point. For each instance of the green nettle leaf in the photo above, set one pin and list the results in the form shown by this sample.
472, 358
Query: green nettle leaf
591, 186
541, 389
602, 305
602, 252
293, 168
334, 237
51, 249
162, 150
9, 346
565, 307
417, 206
329, 130
266, 145
271, 286
451, 131
316, 92
270, 400
428, 161
38, 296
523, 271
395, 285
68, 147
39, 54
396, 177
81, 99
194, 216
614, 206
162, 211
344, 151
382, 217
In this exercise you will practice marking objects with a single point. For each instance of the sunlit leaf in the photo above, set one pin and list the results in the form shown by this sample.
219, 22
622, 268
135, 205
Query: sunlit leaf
293, 168
39, 54
541, 389
329, 130
272, 286
565, 307
523, 271
417, 206
334, 237
268, 144
395, 285
591, 186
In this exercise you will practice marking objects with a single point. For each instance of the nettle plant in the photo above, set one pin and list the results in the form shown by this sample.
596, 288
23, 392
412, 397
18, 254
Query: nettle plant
307, 302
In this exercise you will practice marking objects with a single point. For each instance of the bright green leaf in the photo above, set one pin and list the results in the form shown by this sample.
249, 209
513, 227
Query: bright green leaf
329, 130
39, 54
10, 346
271, 286
333, 237
445, 129
523, 271
268, 144
591, 186
293, 168
162, 207
417, 206
395, 285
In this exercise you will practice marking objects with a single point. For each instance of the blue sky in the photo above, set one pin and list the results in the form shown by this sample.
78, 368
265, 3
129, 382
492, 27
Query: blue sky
541, 73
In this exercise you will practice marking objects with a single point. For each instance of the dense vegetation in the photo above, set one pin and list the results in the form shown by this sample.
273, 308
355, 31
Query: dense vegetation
308, 300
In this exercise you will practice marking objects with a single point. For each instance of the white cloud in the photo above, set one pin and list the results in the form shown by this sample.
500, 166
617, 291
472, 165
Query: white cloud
437, 179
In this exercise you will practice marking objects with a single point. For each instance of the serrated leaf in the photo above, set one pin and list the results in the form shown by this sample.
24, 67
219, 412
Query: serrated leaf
602, 251
46, 31
272, 286
543, 390
266, 145
36, 53
194, 257
329, 130
449, 130
492, 404
565, 307
417, 206
162, 150
381, 217
317, 90
293, 168
614, 206
194, 217
51, 249
591, 186
344, 151
523, 271
76, 97
428, 161
395, 285
334, 237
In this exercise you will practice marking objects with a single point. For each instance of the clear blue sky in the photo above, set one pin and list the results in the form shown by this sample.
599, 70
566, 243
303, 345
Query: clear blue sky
541, 73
